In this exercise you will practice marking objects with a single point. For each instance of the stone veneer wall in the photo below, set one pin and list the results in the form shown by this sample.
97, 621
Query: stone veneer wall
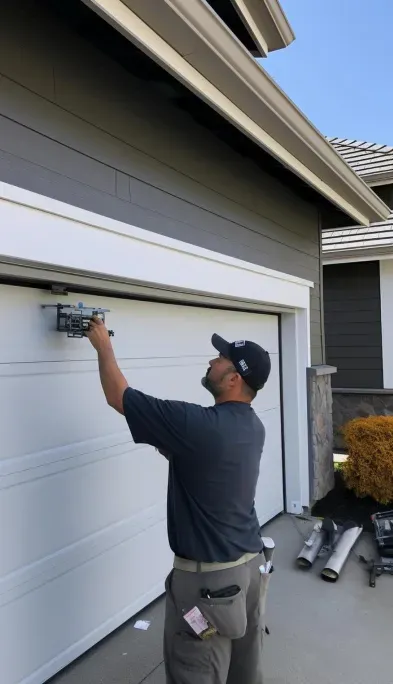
349, 404
320, 431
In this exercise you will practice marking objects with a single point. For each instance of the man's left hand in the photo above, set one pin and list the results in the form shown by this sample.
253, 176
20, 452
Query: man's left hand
98, 335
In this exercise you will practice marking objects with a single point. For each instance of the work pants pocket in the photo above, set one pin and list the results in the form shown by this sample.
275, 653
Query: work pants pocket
227, 615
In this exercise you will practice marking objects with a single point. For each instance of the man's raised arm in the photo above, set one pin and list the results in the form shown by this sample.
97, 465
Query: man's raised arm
158, 422
113, 381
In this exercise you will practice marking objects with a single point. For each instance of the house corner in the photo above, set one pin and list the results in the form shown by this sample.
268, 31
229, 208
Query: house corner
320, 421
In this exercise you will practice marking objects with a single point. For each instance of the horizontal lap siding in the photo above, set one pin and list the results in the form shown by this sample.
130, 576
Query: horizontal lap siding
352, 306
74, 125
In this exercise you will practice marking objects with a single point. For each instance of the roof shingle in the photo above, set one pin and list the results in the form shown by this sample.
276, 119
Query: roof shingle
371, 161
377, 235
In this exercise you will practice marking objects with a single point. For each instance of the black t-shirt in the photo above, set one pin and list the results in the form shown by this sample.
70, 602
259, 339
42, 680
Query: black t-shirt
214, 458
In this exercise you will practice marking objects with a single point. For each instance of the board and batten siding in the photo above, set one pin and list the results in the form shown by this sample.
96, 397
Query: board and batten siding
352, 304
76, 126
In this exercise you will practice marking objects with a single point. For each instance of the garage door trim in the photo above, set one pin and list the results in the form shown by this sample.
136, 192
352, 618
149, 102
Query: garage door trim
65, 238
26, 274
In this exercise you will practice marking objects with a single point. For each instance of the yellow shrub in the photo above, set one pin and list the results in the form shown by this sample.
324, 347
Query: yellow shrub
369, 467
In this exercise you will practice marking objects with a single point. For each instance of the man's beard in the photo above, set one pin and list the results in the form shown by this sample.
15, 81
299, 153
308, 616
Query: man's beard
209, 385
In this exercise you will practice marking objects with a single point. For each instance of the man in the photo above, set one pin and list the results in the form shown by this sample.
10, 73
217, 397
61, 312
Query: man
215, 593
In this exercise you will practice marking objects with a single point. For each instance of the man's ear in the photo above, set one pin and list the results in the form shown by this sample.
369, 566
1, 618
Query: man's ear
237, 380
230, 379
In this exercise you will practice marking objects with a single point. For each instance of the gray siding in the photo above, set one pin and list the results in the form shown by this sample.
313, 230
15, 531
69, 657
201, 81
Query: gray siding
352, 305
76, 126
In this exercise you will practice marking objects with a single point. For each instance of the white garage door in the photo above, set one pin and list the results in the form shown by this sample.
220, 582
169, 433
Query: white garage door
83, 541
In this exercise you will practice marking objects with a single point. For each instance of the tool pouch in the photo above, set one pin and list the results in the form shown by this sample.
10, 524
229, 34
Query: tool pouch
226, 611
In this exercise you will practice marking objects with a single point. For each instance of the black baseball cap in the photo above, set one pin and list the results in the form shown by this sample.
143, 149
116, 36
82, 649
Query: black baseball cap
251, 361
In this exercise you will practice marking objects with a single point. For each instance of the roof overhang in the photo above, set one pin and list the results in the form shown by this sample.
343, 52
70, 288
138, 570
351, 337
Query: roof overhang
346, 256
377, 180
190, 41
267, 24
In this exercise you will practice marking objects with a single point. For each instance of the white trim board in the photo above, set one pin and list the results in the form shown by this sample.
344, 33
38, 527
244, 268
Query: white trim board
24, 272
58, 234
386, 286
52, 235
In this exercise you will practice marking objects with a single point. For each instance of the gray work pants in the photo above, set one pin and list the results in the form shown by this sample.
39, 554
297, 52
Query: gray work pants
234, 654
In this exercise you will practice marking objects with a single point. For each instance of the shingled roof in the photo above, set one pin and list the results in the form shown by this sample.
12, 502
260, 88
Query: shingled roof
376, 237
371, 161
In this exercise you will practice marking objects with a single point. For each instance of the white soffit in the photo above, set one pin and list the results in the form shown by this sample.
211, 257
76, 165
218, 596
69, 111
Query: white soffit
188, 39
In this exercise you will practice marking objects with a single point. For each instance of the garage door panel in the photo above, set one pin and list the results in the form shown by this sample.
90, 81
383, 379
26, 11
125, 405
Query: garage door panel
270, 397
16, 471
53, 411
144, 328
269, 498
48, 568
51, 513
86, 546
62, 618
188, 329
80, 413
183, 381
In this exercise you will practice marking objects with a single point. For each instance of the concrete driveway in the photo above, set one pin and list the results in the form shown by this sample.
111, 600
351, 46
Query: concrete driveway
319, 632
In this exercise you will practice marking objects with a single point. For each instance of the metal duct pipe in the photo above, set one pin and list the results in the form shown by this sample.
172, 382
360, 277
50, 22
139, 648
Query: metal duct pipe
268, 548
312, 547
333, 567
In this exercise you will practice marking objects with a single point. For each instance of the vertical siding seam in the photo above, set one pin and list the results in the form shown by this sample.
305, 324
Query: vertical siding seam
321, 294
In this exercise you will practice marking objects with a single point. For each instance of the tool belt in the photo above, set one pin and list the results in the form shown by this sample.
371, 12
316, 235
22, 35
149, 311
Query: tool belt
196, 566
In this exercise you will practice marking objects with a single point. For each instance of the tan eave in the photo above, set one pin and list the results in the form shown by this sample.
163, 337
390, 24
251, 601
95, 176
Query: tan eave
348, 256
191, 42
266, 22
376, 180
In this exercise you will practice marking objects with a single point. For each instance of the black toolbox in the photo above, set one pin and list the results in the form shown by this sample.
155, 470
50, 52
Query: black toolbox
383, 526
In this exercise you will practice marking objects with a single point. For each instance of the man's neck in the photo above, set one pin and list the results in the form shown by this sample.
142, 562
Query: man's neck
225, 398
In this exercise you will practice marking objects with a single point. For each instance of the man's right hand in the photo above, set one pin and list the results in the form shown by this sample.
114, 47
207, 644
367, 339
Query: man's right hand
98, 334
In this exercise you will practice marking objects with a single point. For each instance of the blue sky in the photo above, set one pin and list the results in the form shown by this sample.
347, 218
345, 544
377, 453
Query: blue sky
339, 69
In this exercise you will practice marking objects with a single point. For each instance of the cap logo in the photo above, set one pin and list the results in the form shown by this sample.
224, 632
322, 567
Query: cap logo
243, 365
240, 343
